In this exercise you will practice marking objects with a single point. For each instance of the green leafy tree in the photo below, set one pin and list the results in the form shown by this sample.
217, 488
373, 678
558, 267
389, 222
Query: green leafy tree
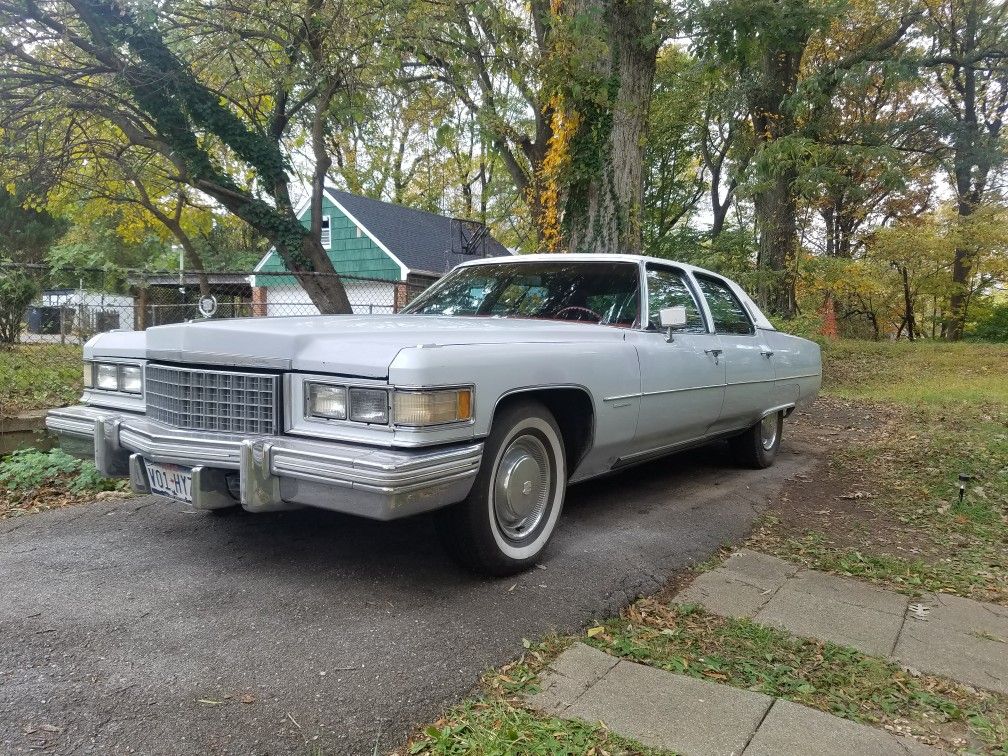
872, 161
966, 73
106, 246
674, 168
223, 112
25, 232
492, 58
763, 44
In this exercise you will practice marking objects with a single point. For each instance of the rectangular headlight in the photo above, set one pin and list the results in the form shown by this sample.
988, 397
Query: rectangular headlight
88, 374
131, 379
107, 377
369, 405
418, 408
323, 400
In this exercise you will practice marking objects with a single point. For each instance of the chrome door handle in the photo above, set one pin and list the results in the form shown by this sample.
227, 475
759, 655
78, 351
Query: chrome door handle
768, 354
715, 353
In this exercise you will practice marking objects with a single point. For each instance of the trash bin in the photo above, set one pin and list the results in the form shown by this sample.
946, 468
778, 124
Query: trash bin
44, 320
106, 320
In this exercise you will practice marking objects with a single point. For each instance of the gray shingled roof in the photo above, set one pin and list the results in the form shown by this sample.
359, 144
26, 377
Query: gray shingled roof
423, 241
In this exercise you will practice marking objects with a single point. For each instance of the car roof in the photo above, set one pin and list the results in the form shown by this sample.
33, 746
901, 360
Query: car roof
589, 257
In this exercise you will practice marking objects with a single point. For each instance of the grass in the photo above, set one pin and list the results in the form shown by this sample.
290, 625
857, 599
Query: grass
974, 573
737, 652
495, 723
920, 373
496, 727
39, 376
824, 676
946, 414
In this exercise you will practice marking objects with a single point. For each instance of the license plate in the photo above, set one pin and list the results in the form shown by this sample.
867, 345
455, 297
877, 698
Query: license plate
170, 480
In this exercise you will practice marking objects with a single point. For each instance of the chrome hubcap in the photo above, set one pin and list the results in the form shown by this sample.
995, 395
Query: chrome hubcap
521, 487
768, 431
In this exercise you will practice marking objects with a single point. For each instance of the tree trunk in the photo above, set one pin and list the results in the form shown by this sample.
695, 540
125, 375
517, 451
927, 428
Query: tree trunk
776, 217
296, 245
828, 214
962, 265
714, 161
908, 303
775, 203
320, 281
603, 208
719, 212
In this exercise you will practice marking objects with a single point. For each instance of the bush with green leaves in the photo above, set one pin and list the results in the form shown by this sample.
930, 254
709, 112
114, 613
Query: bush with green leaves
16, 292
28, 469
993, 326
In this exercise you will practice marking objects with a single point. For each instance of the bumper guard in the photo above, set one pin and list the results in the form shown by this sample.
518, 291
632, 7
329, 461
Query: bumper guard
273, 472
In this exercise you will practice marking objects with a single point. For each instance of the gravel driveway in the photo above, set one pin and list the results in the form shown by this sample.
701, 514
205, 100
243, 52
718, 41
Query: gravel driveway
135, 626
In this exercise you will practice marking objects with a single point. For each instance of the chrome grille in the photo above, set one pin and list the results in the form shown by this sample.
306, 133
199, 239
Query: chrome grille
212, 400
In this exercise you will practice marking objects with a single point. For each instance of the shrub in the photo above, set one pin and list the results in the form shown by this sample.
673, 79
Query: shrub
993, 326
27, 469
16, 292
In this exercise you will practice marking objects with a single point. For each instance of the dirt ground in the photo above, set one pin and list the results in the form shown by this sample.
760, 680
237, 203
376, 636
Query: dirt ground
839, 497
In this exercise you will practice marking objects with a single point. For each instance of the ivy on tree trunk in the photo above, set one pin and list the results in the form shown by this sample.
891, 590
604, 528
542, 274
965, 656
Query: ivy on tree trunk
179, 107
606, 100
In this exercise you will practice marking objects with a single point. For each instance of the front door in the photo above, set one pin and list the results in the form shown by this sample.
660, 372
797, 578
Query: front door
682, 381
746, 354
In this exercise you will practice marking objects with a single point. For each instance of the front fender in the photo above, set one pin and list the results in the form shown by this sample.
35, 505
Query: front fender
602, 369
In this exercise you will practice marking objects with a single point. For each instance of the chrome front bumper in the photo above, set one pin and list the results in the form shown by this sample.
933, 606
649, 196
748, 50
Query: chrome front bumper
274, 472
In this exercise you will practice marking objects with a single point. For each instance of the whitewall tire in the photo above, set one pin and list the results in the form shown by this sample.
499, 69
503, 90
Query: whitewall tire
511, 512
757, 446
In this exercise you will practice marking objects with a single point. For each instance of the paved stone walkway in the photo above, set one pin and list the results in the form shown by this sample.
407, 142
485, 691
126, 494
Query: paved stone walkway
699, 718
945, 635
937, 633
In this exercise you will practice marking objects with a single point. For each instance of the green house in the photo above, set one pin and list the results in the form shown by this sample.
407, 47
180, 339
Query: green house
381, 250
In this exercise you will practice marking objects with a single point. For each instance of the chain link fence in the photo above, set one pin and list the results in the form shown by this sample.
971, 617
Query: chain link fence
46, 315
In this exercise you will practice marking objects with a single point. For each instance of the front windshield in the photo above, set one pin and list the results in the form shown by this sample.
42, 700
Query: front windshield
602, 292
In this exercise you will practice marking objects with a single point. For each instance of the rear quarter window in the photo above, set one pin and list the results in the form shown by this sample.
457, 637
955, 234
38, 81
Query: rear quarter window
727, 312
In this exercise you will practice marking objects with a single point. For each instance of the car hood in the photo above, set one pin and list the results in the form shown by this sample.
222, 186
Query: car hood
352, 345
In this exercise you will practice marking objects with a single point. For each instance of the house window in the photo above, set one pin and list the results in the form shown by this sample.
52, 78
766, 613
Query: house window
360, 232
326, 233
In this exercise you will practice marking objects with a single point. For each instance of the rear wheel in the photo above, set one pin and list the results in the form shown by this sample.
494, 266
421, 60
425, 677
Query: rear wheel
757, 447
511, 512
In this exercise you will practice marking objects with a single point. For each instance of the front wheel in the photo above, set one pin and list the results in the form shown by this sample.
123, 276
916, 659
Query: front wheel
757, 447
511, 512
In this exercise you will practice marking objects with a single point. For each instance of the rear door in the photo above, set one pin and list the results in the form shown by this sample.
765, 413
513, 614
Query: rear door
745, 353
682, 381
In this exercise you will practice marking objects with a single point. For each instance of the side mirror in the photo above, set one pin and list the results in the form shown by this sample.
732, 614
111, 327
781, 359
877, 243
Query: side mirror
672, 318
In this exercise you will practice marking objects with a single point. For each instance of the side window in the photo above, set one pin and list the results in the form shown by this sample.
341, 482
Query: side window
666, 288
326, 239
728, 313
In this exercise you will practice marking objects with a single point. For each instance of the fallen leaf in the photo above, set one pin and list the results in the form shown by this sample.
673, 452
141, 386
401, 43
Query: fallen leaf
593, 631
